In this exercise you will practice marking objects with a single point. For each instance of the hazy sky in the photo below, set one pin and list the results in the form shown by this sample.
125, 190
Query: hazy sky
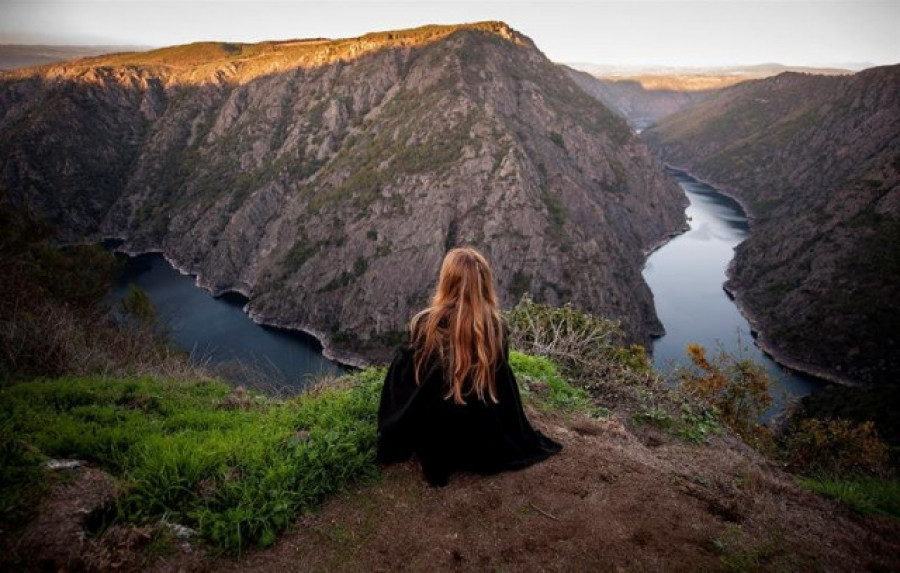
632, 32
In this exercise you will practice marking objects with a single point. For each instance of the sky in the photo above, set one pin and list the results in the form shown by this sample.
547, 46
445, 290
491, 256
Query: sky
616, 32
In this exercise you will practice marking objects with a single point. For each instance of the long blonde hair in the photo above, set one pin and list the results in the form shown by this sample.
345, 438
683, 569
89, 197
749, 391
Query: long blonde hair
462, 327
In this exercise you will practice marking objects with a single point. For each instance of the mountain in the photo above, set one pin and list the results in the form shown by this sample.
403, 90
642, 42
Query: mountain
14, 56
644, 95
325, 179
816, 161
639, 104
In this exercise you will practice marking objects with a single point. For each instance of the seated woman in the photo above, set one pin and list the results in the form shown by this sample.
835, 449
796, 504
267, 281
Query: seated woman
450, 396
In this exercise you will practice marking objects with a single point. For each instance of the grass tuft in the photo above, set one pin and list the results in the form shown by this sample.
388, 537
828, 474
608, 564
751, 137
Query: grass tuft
867, 495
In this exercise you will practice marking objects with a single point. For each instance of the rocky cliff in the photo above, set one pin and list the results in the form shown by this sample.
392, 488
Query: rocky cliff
816, 160
325, 179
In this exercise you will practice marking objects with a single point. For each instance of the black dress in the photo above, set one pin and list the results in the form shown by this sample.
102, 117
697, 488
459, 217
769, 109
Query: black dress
477, 436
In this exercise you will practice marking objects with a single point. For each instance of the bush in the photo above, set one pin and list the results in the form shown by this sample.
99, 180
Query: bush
589, 349
737, 389
836, 448
53, 320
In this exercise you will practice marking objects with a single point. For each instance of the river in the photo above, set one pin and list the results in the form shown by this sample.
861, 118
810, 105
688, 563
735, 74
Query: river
217, 331
686, 276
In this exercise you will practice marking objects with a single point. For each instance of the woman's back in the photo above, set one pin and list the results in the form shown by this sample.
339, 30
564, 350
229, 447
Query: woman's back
450, 396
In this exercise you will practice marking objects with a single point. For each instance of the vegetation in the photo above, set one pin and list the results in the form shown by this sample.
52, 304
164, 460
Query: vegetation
236, 469
591, 353
736, 389
540, 380
867, 495
837, 457
53, 319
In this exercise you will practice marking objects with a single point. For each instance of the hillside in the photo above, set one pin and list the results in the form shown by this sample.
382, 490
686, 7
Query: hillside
14, 56
200, 470
815, 160
325, 179
646, 95
642, 105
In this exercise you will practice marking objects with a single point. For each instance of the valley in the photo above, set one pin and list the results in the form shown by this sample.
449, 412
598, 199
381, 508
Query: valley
815, 161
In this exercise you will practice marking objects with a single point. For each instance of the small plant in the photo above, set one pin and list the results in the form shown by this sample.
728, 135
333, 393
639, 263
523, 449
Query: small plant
588, 348
696, 427
867, 495
541, 380
137, 308
656, 417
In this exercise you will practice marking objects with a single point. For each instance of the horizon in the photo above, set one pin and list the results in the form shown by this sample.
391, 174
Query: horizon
668, 33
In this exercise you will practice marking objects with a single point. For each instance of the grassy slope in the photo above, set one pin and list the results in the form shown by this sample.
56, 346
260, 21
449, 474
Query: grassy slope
237, 467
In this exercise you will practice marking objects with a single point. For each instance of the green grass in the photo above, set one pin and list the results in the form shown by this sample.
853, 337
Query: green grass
240, 476
540, 380
236, 467
867, 495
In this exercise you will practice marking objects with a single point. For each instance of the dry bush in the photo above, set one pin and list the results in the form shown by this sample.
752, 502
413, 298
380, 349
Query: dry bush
588, 348
592, 353
836, 448
737, 389
50, 339
54, 319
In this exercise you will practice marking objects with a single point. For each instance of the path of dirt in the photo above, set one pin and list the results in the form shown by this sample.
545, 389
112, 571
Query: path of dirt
611, 501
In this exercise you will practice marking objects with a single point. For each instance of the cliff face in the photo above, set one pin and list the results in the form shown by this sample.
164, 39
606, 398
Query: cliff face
817, 161
326, 179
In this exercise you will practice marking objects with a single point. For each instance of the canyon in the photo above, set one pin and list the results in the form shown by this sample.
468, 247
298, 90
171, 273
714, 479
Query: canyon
325, 179
815, 160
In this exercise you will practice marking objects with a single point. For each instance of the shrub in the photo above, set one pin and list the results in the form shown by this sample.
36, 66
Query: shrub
738, 389
836, 448
587, 348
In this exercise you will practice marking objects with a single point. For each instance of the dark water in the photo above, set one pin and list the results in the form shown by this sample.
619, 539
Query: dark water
218, 331
686, 277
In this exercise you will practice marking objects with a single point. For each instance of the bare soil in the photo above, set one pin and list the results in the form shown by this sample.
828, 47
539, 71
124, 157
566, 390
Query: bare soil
615, 499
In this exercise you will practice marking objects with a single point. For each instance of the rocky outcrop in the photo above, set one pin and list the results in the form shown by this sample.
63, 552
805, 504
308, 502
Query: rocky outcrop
817, 162
326, 179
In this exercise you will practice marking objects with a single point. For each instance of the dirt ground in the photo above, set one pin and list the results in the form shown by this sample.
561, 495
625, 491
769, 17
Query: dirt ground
613, 500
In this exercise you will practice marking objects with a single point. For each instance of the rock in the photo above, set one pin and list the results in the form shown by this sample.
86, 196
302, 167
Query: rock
326, 180
63, 464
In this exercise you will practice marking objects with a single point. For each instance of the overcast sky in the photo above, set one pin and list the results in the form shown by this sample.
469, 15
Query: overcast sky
632, 32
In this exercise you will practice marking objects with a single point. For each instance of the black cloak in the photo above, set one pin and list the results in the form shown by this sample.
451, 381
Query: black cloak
477, 436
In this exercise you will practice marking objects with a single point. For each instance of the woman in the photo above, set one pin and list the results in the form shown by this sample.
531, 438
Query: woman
450, 396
